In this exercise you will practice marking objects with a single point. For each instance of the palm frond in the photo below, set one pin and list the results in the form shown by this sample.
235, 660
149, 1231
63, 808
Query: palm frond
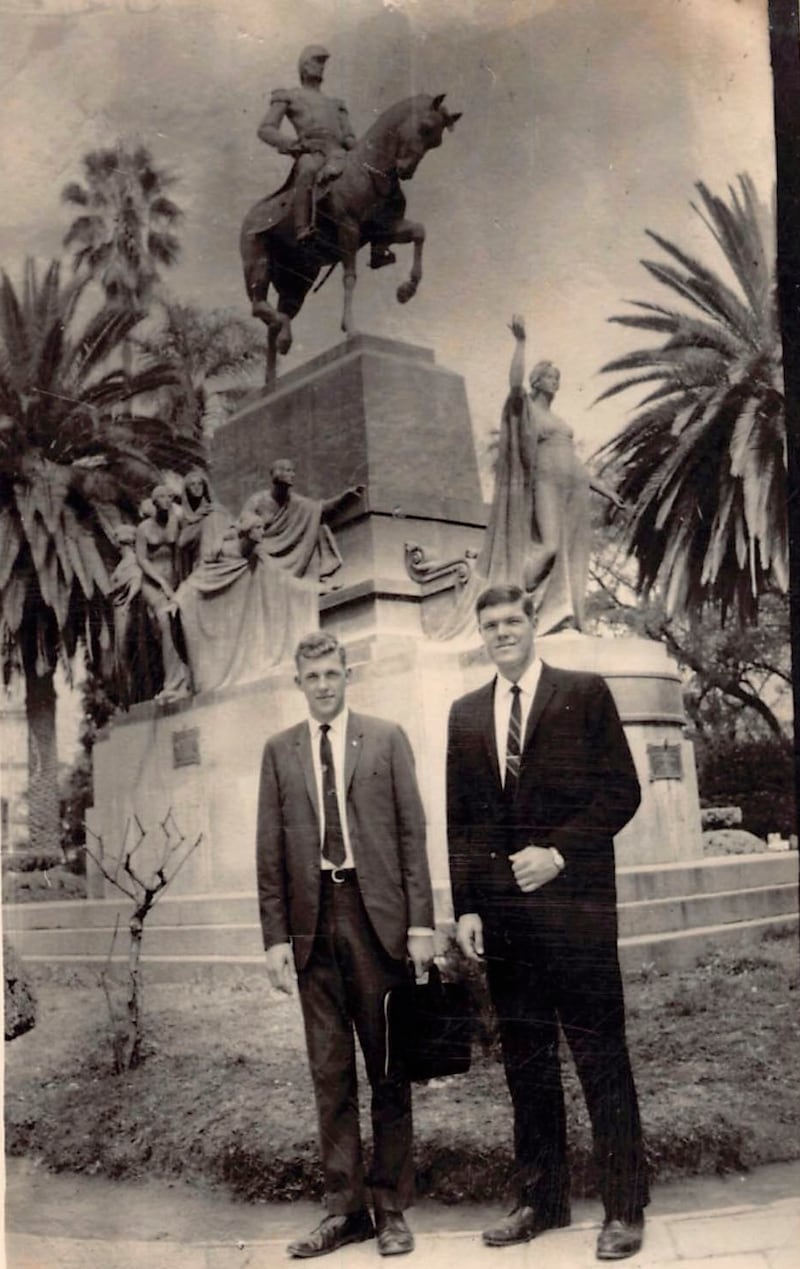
702, 463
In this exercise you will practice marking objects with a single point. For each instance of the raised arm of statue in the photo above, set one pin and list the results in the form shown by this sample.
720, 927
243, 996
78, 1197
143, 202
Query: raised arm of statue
516, 372
331, 505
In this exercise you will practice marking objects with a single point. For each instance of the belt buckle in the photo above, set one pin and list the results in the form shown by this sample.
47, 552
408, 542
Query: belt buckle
337, 876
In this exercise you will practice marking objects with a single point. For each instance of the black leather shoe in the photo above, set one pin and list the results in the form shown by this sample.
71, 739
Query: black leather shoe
619, 1239
523, 1224
394, 1236
332, 1233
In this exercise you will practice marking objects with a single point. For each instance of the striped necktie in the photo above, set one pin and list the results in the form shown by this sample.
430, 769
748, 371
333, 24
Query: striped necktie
514, 744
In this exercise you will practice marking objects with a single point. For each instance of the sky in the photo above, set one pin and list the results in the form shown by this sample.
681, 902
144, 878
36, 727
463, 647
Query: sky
584, 123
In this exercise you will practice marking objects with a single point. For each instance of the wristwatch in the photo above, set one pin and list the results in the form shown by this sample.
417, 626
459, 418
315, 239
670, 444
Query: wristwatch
558, 859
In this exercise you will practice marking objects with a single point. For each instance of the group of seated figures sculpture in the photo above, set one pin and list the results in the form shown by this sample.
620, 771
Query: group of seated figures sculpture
203, 601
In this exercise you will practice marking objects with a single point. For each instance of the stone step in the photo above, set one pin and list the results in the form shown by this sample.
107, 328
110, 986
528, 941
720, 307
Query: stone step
242, 937
725, 874
706, 876
684, 912
220, 909
669, 915
638, 953
681, 948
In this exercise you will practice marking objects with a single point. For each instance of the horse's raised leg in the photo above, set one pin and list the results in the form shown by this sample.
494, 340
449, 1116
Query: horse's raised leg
348, 246
257, 278
409, 231
272, 356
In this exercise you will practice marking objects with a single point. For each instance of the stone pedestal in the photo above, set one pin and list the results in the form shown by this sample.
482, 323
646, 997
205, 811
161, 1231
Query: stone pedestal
647, 691
379, 413
200, 759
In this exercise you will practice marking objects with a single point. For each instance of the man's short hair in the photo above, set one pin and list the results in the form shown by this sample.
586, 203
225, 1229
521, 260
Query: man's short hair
318, 644
505, 593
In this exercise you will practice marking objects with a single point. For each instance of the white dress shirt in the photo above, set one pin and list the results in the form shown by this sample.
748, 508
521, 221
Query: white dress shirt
337, 735
503, 699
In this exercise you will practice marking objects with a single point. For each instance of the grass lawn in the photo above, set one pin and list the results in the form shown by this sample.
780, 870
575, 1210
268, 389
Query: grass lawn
224, 1096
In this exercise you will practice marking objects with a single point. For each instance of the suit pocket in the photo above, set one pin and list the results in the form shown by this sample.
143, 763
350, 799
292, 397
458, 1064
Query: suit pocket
377, 768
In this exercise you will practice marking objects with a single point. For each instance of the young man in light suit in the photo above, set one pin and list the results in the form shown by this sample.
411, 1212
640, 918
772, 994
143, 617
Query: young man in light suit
345, 894
539, 779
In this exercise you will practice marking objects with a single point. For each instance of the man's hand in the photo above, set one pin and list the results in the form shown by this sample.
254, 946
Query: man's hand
420, 952
533, 867
469, 935
280, 967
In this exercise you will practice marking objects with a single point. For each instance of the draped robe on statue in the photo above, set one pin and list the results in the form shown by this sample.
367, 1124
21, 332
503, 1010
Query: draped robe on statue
240, 617
526, 459
202, 530
295, 535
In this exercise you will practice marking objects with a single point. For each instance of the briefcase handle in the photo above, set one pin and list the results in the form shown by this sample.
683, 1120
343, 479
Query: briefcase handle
432, 976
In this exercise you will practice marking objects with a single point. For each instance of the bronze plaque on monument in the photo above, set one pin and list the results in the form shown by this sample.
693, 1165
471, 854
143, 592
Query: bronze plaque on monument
665, 762
186, 747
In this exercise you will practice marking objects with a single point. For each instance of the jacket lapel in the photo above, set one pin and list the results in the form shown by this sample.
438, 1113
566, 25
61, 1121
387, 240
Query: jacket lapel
544, 690
486, 728
354, 743
303, 749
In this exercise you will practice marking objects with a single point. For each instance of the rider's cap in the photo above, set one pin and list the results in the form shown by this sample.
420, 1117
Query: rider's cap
312, 50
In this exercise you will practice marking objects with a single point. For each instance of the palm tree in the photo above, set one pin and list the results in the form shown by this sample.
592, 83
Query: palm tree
124, 233
703, 462
68, 472
215, 355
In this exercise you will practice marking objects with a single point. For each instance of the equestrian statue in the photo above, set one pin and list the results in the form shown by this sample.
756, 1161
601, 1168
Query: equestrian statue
341, 194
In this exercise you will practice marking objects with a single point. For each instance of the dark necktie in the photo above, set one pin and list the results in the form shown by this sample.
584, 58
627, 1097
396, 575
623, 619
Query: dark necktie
333, 841
514, 745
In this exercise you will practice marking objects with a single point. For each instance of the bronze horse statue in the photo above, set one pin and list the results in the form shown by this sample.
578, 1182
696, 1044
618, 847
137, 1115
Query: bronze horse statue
364, 204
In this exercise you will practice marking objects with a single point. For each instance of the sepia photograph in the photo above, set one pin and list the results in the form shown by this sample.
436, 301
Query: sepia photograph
397, 747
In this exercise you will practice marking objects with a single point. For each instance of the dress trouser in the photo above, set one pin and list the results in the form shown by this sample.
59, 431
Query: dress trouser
535, 985
343, 988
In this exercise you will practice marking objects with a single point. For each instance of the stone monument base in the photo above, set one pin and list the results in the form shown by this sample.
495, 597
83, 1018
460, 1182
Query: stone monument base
380, 413
647, 690
199, 759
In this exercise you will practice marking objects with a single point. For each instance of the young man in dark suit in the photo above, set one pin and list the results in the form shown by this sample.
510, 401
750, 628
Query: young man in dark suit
539, 779
345, 894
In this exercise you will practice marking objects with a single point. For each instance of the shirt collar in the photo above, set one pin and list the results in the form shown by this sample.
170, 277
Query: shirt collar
338, 725
527, 682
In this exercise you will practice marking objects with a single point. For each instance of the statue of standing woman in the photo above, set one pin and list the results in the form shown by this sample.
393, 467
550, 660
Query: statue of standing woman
156, 547
539, 531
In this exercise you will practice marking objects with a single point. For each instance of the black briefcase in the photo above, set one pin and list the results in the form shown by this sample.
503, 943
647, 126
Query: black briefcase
429, 1028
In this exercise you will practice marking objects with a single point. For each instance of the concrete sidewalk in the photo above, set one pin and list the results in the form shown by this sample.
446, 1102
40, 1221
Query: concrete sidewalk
751, 1222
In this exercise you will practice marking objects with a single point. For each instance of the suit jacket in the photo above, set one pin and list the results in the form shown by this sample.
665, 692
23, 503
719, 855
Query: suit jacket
386, 824
577, 787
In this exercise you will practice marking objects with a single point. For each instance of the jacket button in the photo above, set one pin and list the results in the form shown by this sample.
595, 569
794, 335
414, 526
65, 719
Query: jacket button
493, 854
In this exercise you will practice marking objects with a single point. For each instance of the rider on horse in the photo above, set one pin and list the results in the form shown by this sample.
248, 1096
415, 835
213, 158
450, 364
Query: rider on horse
324, 134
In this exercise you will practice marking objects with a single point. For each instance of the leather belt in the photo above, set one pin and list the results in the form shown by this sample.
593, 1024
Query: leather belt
339, 875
